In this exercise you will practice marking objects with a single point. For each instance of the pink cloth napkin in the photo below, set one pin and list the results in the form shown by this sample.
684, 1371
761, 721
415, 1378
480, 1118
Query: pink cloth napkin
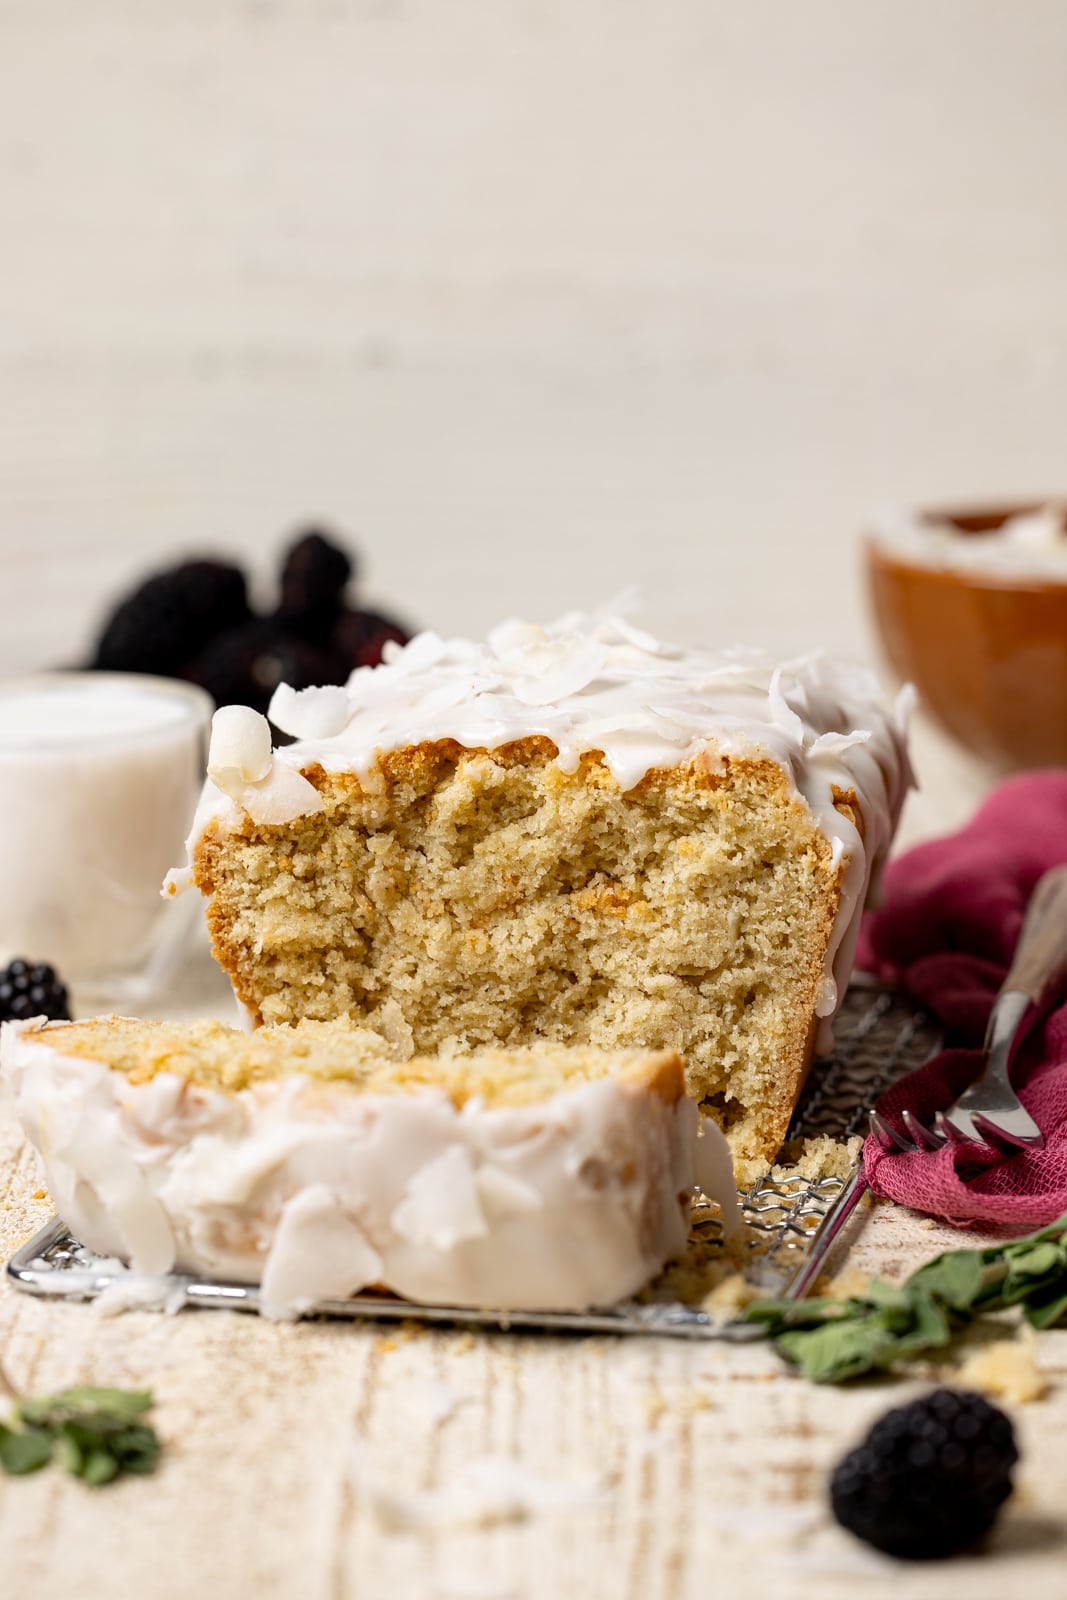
945, 933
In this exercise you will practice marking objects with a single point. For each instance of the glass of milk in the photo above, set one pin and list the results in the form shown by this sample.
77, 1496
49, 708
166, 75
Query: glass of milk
99, 778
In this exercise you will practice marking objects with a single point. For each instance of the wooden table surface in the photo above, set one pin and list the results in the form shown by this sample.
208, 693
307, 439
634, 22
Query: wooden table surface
535, 300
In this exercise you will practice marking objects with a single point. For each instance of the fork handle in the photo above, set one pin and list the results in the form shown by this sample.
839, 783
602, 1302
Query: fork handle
1039, 966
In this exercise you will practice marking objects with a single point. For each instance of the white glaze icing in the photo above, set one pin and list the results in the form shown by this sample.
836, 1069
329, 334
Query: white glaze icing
315, 1190
714, 1170
589, 683
1032, 544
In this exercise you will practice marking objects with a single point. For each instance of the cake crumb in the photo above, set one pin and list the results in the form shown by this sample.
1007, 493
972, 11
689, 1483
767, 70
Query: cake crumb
653, 1405
1007, 1369
849, 1284
703, 1274
730, 1296
817, 1158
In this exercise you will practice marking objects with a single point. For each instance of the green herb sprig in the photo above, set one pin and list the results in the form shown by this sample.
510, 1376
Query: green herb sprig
831, 1340
98, 1435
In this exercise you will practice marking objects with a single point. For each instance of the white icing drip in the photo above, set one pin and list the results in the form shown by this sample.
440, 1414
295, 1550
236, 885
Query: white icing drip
133, 1292
319, 1252
782, 712
590, 683
715, 1176
315, 1189
75, 1122
441, 1205
502, 1195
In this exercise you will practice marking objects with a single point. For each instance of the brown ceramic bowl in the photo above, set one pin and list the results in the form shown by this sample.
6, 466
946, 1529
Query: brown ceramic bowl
986, 649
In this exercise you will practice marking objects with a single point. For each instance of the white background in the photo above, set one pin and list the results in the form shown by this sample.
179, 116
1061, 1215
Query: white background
531, 298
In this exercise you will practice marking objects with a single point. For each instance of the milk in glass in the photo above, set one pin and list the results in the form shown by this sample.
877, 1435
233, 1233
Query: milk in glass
99, 777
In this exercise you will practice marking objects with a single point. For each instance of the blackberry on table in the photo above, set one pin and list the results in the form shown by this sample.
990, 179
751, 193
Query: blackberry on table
359, 636
929, 1478
171, 617
314, 575
246, 665
194, 621
32, 989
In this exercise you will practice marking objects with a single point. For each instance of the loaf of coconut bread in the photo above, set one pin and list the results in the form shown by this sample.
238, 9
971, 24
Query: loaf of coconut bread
573, 835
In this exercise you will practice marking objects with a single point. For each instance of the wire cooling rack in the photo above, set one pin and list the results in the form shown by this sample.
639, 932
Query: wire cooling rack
878, 1039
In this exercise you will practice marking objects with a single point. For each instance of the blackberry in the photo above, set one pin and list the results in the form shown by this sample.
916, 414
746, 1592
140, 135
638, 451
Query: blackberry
314, 575
929, 1478
246, 665
32, 989
358, 637
171, 617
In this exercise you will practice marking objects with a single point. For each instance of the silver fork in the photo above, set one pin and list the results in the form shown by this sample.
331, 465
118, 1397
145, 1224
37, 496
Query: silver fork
990, 1111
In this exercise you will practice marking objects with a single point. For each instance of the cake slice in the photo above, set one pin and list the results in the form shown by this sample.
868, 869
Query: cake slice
309, 1160
573, 834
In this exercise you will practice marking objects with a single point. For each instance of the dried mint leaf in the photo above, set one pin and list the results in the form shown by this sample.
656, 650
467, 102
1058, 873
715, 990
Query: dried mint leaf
832, 1341
24, 1451
96, 1434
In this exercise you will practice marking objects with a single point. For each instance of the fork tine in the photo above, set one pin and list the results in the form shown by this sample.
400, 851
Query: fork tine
952, 1131
886, 1135
979, 1130
972, 1127
925, 1138
1000, 1136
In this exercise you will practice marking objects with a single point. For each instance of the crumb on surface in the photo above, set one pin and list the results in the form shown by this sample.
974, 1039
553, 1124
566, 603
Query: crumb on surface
696, 1277
849, 1283
712, 1275
730, 1296
1007, 1369
818, 1157
654, 1405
